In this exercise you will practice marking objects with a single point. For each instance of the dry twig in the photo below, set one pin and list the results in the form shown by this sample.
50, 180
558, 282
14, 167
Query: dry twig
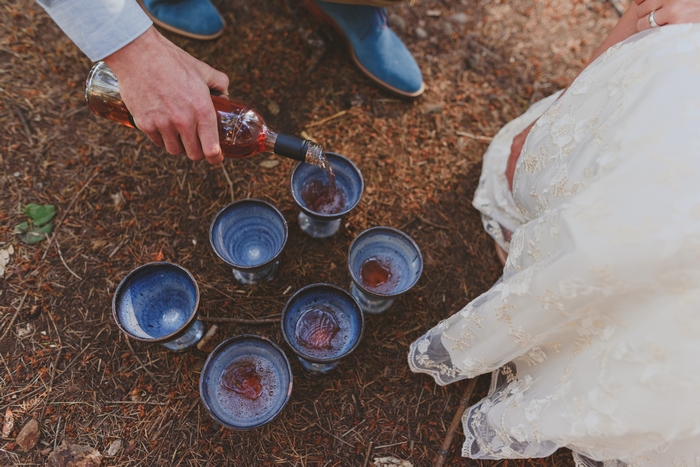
12, 321
463, 404
211, 319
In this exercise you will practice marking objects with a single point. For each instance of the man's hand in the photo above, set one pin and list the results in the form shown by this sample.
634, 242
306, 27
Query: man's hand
167, 92
667, 12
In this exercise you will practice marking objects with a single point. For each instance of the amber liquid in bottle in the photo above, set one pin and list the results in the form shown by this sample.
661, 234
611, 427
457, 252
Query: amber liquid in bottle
242, 131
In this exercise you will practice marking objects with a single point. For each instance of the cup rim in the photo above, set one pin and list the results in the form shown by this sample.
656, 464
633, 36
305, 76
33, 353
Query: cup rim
218, 349
248, 201
172, 336
356, 280
317, 215
334, 358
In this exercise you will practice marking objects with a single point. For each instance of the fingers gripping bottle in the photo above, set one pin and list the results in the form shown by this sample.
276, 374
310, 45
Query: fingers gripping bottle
242, 131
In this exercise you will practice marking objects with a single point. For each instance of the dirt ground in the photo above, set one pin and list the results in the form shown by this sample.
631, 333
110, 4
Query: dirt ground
122, 202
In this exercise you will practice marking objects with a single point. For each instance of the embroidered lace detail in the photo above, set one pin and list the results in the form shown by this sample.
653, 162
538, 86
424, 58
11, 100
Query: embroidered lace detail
591, 335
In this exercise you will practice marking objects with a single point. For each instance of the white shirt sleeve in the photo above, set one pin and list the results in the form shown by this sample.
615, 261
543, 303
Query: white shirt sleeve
98, 27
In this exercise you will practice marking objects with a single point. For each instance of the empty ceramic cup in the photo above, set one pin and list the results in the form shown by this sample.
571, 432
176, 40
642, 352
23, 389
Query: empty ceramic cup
157, 302
384, 263
249, 236
322, 202
322, 324
245, 382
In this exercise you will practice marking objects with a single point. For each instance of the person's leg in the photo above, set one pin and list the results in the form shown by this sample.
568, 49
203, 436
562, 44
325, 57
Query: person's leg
373, 46
198, 19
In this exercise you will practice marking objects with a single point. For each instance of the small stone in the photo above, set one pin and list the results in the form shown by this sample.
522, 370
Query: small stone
421, 33
460, 18
447, 28
397, 22
17, 174
114, 448
74, 455
434, 13
273, 107
29, 435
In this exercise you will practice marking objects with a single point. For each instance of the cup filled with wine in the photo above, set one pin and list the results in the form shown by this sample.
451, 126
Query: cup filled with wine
322, 324
249, 235
157, 302
245, 382
325, 195
384, 263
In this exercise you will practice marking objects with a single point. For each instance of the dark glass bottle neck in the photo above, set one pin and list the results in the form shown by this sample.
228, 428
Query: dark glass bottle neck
291, 146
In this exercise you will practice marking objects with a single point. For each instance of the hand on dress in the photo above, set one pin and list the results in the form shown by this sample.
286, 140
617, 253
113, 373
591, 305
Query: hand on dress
667, 12
167, 92
516, 148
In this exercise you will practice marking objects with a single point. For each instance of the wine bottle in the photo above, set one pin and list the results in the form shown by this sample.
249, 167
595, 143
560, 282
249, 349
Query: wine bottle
242, 131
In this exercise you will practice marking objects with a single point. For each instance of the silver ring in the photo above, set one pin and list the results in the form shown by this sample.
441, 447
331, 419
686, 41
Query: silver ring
652, 23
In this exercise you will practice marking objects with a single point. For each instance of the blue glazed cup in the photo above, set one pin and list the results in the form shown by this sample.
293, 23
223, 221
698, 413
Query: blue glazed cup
344, 312
347, 178
249, 235
396, 253
157, 302
272, 372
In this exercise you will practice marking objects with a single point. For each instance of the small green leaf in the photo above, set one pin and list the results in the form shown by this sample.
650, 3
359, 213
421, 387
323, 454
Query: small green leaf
40, 214
37, 234
21, 227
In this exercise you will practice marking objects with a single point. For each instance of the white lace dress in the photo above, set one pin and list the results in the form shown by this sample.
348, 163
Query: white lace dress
593, 331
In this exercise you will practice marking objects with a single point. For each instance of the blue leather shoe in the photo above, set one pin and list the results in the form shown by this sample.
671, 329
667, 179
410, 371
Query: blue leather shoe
375, 48
198, 19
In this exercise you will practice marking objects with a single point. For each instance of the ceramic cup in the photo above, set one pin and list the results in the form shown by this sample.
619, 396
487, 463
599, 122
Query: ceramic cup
157, 302
322, 324
249, 235
384, 263
245, 382
314, 218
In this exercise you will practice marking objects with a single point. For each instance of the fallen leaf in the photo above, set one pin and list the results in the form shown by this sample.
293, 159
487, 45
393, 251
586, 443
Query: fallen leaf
8, 424
305, 134
40, 214
390, 462
74, 455
114, 448
28, 435
23, 332
273, 107
4, 261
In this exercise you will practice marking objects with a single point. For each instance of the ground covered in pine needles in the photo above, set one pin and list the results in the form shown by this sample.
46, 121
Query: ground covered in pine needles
122, 202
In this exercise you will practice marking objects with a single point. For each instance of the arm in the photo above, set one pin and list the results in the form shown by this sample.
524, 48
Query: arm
165, 89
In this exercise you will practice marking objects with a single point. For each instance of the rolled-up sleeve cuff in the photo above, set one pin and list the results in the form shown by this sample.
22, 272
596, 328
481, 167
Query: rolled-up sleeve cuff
98, 27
